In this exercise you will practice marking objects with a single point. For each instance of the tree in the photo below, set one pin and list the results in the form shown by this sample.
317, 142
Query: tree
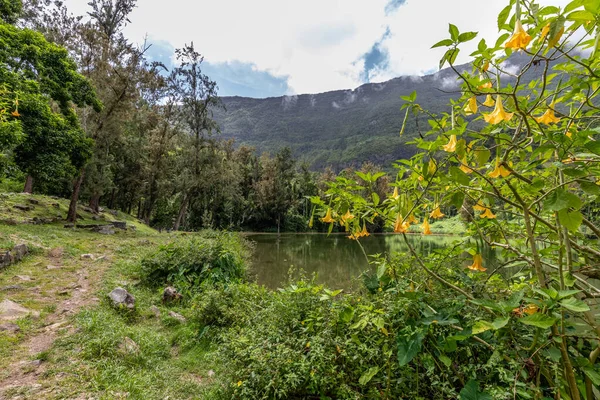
39, 77
198, 96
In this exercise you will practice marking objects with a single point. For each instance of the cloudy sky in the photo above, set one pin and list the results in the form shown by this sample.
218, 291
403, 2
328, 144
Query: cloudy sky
263, 48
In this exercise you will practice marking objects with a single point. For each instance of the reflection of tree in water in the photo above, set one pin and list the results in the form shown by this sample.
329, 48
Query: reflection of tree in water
337, 260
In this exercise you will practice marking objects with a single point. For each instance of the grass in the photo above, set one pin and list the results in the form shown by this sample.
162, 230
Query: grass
88, 357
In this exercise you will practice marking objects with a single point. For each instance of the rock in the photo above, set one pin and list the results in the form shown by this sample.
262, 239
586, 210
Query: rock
120, 225
20, 251
10, 328
52, 267
155, 311
128, 346
69, 226
88, 209
178, 317
95, 217
56, 252
170, 294
105, 231
9, 311
11, 288
24, 278
87, 257
33, 201
55, 205
114, 213
5, 259
36, 363
121, 298
22, 207
211, 373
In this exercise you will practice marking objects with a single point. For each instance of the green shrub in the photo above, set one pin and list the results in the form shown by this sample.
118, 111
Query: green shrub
207, 257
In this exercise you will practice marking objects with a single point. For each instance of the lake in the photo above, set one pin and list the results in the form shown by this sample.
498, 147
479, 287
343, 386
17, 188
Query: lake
336, 260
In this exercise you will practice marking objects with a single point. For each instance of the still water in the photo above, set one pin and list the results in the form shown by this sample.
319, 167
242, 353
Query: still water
336, 260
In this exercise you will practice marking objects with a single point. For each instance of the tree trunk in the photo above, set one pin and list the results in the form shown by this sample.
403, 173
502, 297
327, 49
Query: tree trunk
111, 203
182, 211
95, 202
28, 185
72, 215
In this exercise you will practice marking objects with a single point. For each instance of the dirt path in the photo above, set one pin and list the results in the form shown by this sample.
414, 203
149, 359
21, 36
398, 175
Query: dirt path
74, 286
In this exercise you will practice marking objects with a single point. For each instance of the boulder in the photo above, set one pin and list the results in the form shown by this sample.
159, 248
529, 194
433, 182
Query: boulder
121, 298
9, 311
10, 288
129, 346
23, 207
170, 295
33, 201
10, 328
5, 259
56, 252
20, 251
105, 230
177, 316
120, 225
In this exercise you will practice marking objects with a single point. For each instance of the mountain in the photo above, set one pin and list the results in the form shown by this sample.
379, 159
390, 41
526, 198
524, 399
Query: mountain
339, 128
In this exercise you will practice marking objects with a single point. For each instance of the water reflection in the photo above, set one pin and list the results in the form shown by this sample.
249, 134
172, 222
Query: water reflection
337, 260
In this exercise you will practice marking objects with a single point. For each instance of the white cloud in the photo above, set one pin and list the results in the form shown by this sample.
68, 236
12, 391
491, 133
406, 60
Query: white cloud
318, 44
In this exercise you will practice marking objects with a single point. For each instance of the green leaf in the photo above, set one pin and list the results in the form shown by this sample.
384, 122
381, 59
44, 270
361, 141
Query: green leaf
376, 199
591, 373
445, 360
500, 323
482, 155
471, 392
538, 320
482, 326
566, 293
503, 16
381, 269
445, 42
409, 347
367, 376
575, 305
589, 187
453, 32
458, 176
593, 147
466, 36
347, 314
560, 199
571, 220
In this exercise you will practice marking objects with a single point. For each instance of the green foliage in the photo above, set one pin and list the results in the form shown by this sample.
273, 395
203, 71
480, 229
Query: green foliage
211, 257
10, 10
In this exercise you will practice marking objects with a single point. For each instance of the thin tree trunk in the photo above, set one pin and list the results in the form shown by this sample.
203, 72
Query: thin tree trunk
182, 211
95, 202
72, 215
111, 204
28, 185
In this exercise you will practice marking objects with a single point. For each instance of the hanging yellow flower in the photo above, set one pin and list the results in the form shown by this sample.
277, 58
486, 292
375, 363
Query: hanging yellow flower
353, 237
477, 263
498, 115
364, 232
548, 117
347, 217
451, 146
489, 101
436, 213
399, 226
479, 207
311, 221
569, 134
426, 227
520, 38
412, 220
552, 41
486, 85
464, 166
327, 218
488, 214
471, 107
395, 195
499, 171
15, 114
486, 66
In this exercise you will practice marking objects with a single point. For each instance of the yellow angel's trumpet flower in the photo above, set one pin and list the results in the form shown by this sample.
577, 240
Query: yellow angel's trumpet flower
498, 115
426, 227
327, 218
451, 146
489, 101
548, 117
520, 38
471, 107
436, 213
477, 263
499, 171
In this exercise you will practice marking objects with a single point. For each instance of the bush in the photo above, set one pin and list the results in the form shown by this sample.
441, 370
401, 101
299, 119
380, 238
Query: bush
213, 257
